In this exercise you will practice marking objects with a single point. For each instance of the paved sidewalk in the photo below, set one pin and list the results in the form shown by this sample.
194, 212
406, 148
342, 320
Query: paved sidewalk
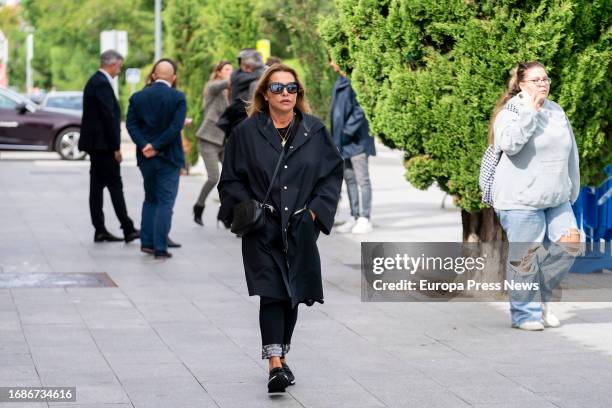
184, 333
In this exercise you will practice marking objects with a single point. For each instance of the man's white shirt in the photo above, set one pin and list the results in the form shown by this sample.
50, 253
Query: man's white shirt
107, 75
163, 81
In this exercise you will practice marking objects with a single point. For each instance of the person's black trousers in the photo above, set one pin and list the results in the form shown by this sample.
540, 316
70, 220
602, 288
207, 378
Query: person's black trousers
276, 321
105, 172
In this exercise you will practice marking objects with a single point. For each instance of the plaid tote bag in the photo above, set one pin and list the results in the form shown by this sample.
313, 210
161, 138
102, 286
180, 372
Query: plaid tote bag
488, 164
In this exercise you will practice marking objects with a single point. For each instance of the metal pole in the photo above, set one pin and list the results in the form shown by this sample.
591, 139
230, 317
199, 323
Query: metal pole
158, 30
29, 56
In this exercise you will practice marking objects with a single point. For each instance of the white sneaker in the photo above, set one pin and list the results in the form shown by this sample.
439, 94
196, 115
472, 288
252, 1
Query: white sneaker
549, 319
531, 325
347, 226
363, 226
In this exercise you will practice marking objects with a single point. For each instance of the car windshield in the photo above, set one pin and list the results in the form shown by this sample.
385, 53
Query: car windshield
15, 96
74, 102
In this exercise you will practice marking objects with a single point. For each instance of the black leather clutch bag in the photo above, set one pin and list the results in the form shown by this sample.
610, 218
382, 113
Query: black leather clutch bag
248, 216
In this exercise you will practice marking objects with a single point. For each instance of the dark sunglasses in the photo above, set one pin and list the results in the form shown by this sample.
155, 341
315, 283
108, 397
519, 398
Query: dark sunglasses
277, 87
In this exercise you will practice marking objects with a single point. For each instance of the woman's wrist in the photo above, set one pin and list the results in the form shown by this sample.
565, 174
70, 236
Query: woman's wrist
312, 214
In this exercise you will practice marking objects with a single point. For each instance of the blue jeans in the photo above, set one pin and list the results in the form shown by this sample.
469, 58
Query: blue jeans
357, 178
161, 181
534, 257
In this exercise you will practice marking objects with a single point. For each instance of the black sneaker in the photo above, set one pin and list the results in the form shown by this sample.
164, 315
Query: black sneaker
278, 380
289, 373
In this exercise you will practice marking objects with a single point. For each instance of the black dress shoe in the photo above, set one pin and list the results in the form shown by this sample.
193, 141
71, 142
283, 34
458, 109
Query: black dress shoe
289, 373
278, 380
147, 250
172, 244
162, 255
106, 236
132, 236
197, 214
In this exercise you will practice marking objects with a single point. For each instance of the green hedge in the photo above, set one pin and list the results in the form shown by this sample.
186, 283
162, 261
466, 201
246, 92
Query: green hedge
428, 75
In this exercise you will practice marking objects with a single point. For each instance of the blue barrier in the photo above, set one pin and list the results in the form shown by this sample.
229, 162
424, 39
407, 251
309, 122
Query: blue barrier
593, 210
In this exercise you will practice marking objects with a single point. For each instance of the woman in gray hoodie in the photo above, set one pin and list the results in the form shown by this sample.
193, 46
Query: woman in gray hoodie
536, 180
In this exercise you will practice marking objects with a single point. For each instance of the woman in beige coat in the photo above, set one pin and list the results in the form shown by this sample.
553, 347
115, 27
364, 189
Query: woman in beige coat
210, 137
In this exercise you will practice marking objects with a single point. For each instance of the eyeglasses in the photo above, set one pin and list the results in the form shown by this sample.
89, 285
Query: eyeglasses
543, 81
277, 87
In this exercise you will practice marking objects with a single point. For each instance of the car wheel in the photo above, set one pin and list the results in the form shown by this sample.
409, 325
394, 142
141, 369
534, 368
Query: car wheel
67, 144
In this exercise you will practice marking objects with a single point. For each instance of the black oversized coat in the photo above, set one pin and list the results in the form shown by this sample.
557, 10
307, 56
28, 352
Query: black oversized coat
281, 260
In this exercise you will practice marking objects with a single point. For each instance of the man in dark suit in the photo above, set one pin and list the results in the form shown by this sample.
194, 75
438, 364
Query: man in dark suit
155, 118
101, 138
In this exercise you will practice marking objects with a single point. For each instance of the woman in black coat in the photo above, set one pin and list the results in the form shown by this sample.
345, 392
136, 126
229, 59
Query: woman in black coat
281, 259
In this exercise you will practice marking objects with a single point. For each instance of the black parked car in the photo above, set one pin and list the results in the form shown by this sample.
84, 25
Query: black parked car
27, 126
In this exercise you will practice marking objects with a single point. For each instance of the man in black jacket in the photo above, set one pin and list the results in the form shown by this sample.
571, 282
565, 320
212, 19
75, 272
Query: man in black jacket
101, 138
242, 81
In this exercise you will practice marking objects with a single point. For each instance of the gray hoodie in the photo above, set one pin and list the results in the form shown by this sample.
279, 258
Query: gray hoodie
539, 165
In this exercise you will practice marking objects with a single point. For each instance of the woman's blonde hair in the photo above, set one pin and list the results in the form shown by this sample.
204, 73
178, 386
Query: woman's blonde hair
517, 76
259, 103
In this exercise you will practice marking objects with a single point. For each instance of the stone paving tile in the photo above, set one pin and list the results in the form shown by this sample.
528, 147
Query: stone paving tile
62, 314
184, 333
9, 320
136, 357
240, 395
164, 393
171, 312
325, 395
15, 374
77, 376
47, 335
494, 394
101, 393
14, 358
518, 404
151, 371
69, 358
13, 341
218, 368
127, 338
77, 405
578, 399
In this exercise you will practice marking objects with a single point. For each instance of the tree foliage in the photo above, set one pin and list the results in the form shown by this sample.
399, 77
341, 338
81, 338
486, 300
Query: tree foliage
429, 73
200, 33
13, 27
301, 18
67, 37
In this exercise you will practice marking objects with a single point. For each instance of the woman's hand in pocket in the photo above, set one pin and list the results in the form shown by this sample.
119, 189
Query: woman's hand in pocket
312, 214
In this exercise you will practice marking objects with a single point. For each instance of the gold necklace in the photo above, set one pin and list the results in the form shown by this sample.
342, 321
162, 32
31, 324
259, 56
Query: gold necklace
284, 139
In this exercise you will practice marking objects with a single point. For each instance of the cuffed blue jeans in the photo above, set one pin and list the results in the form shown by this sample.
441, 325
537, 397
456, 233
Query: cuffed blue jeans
534, 256
357, 177
161, 181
